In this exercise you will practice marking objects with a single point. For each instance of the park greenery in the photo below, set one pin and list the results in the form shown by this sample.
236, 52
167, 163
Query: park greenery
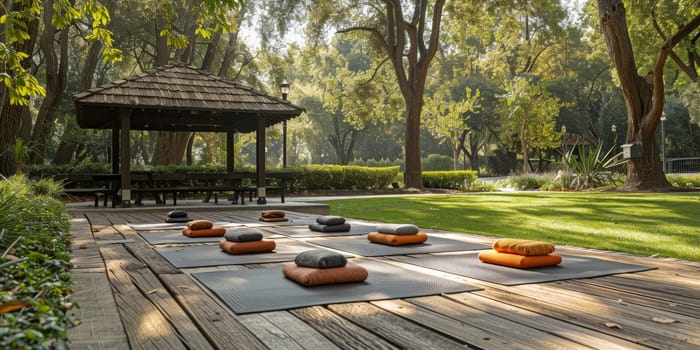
657, 224
492, 89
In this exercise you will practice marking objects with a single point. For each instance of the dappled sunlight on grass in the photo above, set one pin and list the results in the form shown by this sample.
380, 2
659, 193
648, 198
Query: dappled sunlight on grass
649, 223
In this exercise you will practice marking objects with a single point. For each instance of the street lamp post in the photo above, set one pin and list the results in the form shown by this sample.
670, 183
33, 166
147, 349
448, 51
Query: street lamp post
563, 138
613, 128
284, 89
663, 141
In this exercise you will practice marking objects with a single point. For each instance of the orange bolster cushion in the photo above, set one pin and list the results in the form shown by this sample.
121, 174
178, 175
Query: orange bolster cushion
385, 238
519, 261
309, 276
212, 232
247, 247
200, 225
273, 219
272, 213
522, 247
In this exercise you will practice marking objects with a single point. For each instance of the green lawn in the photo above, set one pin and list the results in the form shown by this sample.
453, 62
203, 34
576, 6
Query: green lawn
646, 224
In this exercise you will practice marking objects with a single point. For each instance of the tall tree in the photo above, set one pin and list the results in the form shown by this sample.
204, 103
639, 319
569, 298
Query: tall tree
448, 120
411, 43
529, 112
644, 95
20, 30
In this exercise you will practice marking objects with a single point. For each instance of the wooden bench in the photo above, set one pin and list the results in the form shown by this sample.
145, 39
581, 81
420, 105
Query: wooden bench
96, 193
252, 190
174, 191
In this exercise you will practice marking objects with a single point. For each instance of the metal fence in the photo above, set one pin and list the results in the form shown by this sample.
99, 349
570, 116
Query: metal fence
682, 165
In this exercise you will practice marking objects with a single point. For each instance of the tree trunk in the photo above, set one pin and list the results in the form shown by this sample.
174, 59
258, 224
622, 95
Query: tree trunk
11, 116
231, 46
170, 148
413, 175
66, 149
56, 70
523, 145
644, 96
162, 52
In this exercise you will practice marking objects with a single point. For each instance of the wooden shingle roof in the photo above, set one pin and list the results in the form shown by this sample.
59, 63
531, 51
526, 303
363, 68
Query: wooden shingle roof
180, 98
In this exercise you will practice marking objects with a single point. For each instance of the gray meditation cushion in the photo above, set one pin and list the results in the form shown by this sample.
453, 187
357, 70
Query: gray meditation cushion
330, 220
242, 236
329, 228
319, 258
177, 214
398, 229
177, 220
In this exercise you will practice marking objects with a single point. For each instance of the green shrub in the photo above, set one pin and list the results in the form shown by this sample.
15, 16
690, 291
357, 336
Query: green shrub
455, 179
684, 180
484, 186
327, 177
34, 231
529, 182
37, 171
591, 167
436, 162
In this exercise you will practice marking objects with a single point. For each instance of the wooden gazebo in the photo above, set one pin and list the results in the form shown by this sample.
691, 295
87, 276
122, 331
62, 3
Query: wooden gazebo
180, 98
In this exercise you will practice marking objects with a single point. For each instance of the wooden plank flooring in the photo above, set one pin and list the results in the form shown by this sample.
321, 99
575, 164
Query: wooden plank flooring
161, 307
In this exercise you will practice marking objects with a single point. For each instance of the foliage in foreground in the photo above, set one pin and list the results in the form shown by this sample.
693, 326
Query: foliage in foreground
647, 224
34, 265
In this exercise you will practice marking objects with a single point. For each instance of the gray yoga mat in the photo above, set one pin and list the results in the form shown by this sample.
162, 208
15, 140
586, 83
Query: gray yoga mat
212, 255
175, 226
266, 289
571, 267
292, 222
361, 246
304, 232
176, 237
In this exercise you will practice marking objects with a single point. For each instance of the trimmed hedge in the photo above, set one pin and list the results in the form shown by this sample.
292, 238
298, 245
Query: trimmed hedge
339, 177
454, 179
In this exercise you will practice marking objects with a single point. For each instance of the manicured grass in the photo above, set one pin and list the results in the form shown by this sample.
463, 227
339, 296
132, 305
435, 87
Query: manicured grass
646, 224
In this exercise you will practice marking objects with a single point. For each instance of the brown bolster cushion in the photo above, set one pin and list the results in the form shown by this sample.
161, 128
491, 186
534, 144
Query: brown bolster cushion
212, 232
309, 276
522, 247
262, 218
272, 213
388, 239
247, 247
200, 225
519, 261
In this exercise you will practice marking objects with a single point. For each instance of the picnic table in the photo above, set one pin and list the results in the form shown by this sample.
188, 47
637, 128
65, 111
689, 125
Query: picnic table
160, 185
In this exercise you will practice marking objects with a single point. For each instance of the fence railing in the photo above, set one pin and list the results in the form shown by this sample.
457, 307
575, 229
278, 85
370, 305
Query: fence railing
682, 165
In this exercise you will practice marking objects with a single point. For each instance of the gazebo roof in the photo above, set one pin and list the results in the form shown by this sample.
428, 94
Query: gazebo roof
180, 98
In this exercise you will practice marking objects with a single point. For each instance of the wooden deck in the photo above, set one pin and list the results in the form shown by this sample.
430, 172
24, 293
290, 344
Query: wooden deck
131, 297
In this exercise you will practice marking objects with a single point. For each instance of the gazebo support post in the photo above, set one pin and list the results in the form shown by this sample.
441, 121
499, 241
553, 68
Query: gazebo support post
115, 150
229, 152
260, 159
284, 144
125, 116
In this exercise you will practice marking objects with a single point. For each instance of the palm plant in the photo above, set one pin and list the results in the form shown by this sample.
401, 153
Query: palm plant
590, 166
